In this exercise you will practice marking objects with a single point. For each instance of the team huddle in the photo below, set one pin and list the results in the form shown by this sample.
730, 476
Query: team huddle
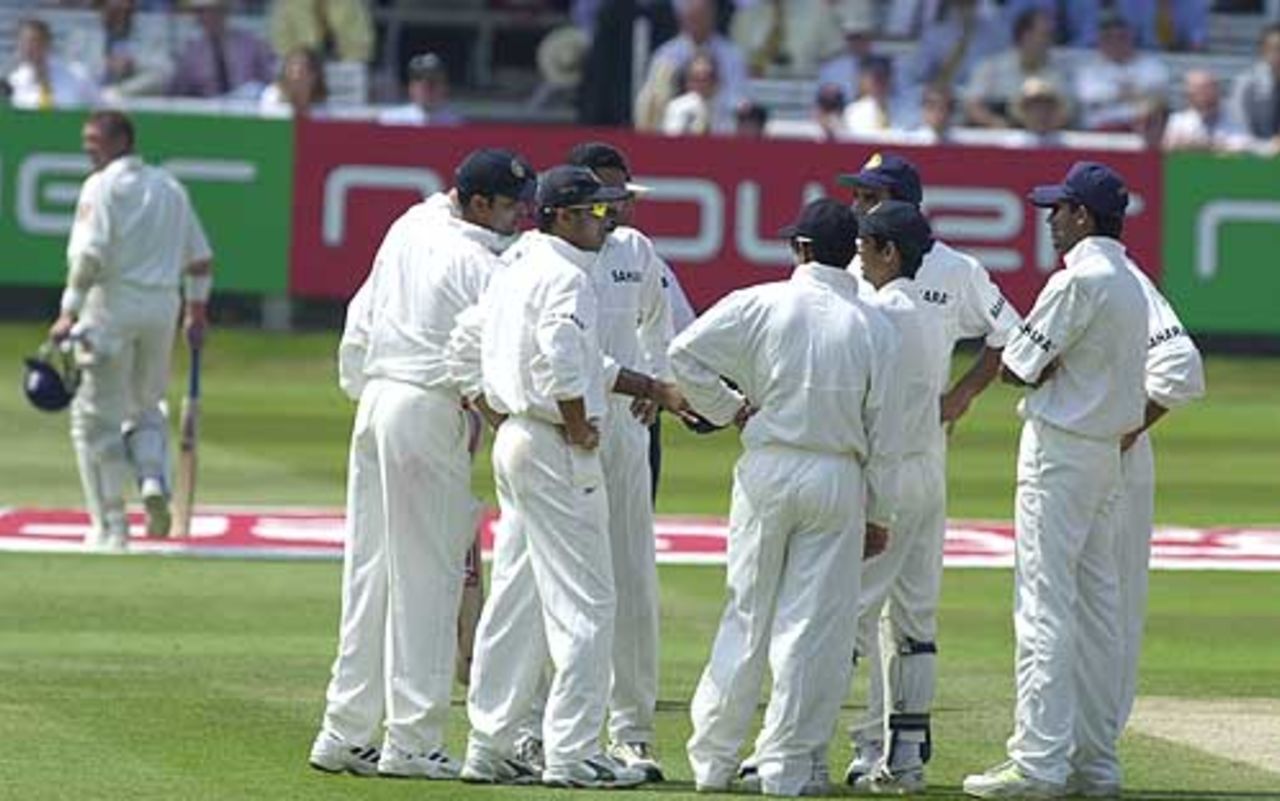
562, 340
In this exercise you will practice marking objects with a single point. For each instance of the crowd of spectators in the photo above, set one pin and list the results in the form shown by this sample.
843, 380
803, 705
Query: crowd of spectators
1021, 72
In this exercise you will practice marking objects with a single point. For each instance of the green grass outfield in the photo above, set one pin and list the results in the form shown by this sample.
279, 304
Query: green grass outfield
148, 678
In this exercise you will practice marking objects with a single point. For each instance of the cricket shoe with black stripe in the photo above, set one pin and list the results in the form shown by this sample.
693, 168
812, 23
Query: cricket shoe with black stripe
638, 755
485, 766
399, 764
332, 754
156, 503
600, 772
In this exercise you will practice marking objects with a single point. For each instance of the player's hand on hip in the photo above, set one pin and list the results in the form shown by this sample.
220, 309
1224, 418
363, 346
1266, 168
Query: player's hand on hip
874, 541
196, 324
584, 435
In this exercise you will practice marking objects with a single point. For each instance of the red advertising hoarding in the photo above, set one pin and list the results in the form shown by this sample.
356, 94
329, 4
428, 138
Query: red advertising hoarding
716, 203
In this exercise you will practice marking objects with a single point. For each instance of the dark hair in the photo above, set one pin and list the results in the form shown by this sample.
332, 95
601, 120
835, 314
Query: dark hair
751, 112
317, 67
598, 155
38, 25
832, 254
113, 125
1110, 225
910, 258
1024, 22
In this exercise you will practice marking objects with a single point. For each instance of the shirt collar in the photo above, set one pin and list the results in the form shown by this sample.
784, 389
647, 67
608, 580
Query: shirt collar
1103, 246
129, 161
582, 259
490, 240
901, 283
837, 278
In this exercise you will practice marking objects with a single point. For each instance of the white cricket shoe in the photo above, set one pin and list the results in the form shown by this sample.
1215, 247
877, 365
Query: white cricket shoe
156, 503
484, 766
398, 764
600, 772
819, 783
638, 755
896, 781
529, 750
1007, 780
870, 753
331, 754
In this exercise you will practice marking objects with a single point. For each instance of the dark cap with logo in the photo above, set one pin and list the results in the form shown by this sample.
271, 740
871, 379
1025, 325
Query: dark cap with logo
826, 223
890, 172
900, 223
491, 171
570, 185
1095, 186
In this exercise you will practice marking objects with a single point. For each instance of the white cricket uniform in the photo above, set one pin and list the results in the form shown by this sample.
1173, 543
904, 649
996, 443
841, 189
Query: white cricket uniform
1174, 377
904, 581
1091, 318
552, 593
959, 290
136, 222
409, 508
821, 459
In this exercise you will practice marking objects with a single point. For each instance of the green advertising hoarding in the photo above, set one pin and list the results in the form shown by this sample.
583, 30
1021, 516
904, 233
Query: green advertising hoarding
239, 173
1222, 242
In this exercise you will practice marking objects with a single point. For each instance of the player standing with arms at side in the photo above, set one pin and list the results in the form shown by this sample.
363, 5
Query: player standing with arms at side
135, 243
1081, 353
955, 287
820, 426
409, 513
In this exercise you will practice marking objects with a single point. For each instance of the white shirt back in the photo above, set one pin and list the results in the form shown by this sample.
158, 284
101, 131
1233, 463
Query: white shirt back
539, 344
429, 268
137, 222
816, 361
1092, 317
922, 366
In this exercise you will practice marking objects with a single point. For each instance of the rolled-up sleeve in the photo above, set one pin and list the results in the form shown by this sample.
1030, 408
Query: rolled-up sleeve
1057, 319
1174, 370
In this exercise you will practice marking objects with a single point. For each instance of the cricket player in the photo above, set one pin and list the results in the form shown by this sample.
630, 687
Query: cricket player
1081, 354
957, 289
819, 411
553, 594
136, 251
635, 330
409, 513
893, 237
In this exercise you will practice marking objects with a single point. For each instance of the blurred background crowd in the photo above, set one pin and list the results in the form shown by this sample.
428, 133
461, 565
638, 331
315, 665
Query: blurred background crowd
1124, 74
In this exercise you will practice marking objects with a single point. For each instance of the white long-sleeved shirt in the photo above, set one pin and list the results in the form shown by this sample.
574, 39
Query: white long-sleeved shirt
137, 223
921, 368
539, 343
1092, 318
428, 269
1174, 370
816, 361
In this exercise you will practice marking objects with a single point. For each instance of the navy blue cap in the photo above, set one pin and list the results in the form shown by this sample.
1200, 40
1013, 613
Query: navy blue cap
890, 172
1095, 186
826, 223
570, 185
901, 223
491, 171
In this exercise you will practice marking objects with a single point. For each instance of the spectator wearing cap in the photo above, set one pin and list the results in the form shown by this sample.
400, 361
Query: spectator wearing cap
1119, 83
428, 89
814, 494
828, 111
1080, 358
42, 80
750, 119
542, 367
1255, 95
998, 80
223, 60
701, 109
1039, 109
786, 38
1204, 124
410, 520
672, 59
339, 30
876, 110
950, 46
844, 70
300, 91
937, 112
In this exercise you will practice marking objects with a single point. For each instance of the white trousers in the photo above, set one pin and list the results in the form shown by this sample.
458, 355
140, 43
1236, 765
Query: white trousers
899, 602
1065, 606
409, 524
796, 527
118, 424
552, 596
1133, 555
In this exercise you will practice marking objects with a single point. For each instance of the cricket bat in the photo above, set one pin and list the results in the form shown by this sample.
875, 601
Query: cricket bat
185, 489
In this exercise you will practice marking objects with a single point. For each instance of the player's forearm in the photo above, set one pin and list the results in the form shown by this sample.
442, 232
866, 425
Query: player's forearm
82, 273
197, 283
979, 375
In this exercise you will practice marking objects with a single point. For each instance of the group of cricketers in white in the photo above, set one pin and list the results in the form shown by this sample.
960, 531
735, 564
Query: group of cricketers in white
562, 339
839, 380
